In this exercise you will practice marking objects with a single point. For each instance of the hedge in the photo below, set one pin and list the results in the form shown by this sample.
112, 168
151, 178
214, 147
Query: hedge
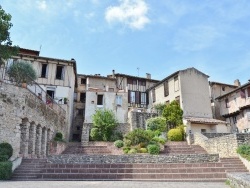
5, 170
175, 135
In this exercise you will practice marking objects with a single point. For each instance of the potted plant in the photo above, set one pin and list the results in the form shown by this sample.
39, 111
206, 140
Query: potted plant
22, 73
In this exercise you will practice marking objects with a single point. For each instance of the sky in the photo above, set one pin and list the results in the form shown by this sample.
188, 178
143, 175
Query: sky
136, 37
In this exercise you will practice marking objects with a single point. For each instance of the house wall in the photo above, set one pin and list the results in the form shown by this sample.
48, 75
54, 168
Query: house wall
195, 94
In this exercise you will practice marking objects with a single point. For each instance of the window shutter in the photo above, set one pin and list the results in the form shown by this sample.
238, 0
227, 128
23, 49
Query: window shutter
137, 97
129, 96
166, 90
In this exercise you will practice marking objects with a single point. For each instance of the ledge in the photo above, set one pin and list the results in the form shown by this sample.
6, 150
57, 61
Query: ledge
239, 180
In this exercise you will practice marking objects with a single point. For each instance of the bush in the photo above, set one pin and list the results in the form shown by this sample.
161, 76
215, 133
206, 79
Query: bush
159, 140
175, 135
244, 151
143, 150
105, 121
139, 136
126, 149
59, 137
127, 142
6, 149
132, 151
22, 72
157, 123
181, 127
4, 158
116, 136
5, 170
153, 149
118, 143
95, 134
157, 133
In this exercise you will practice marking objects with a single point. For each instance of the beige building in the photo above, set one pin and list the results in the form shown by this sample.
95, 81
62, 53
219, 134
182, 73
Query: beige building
235, 107
56, 78
218, 89
190, 88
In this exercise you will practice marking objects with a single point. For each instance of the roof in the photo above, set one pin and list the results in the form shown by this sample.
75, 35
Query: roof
174, 74
137, 77
28, 51
210, 121
223, 84
96, 76
237, 89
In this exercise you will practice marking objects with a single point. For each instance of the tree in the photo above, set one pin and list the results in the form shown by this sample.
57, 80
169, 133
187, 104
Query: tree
104, 124
6, 48
173, 114
159, 108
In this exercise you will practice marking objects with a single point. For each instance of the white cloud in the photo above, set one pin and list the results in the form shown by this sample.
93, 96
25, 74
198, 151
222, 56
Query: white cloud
132, 13
42, 5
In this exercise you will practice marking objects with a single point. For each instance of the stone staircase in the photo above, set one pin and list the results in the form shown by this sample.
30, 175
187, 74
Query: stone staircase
87, 150
174, 148
64, 169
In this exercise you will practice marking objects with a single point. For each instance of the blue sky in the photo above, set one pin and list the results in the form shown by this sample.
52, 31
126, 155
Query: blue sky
156, 36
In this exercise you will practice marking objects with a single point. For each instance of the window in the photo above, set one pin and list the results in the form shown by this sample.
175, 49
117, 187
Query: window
203, 130
118, 100
166, 89
143, 98
44, 71
59, 72
141, 83
176, 83
83, 80
51, 93
100, 100
153, 95
248, 92
223, 88
80, 112
75, 97
78, 128
177, 99
83, 97
235, 120
132, 97
227, 103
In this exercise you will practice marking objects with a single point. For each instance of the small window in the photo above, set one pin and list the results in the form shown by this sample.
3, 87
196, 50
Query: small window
176, 83
82, 97
78, 128
166, 88
119, 100
203, 130
227, 103
223, 88
44, 70
83, 81
100, 100
59, 72
248, 92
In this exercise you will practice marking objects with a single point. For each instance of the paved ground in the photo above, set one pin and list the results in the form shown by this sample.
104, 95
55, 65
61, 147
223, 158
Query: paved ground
107, 184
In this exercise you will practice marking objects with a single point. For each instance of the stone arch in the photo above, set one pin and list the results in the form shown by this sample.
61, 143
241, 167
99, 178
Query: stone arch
24, 139
38, 145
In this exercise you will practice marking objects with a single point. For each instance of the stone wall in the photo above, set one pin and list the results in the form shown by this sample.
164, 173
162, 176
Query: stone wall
56, 148
138, 119
26, 122
225, 146
214, 135
129, 159
239, 180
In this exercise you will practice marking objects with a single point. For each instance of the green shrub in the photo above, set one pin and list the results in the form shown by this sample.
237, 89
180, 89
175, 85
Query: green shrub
126, 149
95, 134
105, 121
118, 143
153, 149
244, 151
143, 150
4, 158
127, 142
22, 72
139, 136
159, 140
175, 135
132, 151
157, 133
181, 127
59, 137
6, 149
5, 170
116, 136
157, 123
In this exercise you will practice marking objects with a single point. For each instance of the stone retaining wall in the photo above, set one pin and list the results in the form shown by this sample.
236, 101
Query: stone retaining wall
138, 119
56, 148
225, 146
214, 135
239, 180
129, 159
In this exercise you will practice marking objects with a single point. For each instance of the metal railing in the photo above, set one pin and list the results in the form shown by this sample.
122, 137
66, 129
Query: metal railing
36, 90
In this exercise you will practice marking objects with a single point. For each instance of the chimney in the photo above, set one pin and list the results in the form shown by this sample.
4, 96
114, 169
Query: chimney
148, 76
113, 72
237, 83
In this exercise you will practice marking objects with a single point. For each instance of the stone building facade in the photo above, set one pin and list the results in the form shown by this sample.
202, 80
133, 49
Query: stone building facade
26, 122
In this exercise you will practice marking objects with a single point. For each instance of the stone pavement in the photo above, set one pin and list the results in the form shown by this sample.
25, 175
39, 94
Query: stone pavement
108, 184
